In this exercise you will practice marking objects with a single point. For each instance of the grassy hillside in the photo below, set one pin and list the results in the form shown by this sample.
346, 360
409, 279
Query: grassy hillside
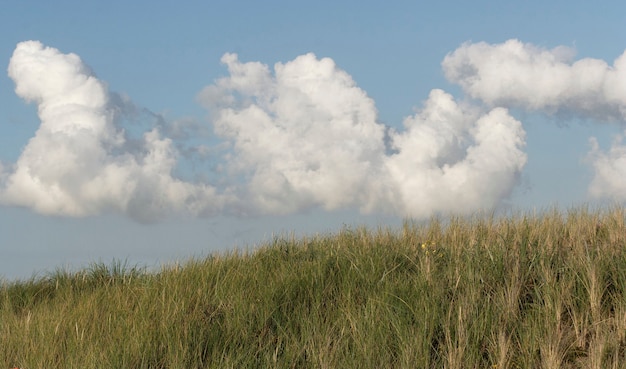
529, 292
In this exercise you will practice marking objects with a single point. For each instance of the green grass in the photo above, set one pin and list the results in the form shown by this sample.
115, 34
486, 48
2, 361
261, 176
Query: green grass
520, 292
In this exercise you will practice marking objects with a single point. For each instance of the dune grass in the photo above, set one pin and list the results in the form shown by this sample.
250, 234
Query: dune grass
545, 291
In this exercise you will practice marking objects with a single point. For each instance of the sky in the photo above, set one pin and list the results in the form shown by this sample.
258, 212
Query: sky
154, 133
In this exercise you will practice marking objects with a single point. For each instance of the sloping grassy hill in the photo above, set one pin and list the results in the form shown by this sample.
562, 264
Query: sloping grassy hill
529, 291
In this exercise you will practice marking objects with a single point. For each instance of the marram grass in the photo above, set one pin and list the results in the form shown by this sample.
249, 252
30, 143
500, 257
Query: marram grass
545, 291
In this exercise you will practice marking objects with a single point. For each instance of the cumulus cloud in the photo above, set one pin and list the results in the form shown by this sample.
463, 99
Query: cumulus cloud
293, 137
516, 74
451, 158
79, 162
306, 136
609, 170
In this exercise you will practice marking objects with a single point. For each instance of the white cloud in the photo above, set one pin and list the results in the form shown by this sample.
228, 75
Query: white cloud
453, 159
609, 170
516, 74
79, 163
307, 136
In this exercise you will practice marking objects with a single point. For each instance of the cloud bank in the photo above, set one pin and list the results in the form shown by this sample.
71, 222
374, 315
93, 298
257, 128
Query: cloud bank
303, 135
300, 136
521, 75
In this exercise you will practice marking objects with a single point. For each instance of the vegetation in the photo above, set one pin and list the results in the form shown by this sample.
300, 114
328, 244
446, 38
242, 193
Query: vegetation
521, 292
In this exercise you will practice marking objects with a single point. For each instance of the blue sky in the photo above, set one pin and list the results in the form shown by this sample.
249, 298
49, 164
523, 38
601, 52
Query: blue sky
166, 61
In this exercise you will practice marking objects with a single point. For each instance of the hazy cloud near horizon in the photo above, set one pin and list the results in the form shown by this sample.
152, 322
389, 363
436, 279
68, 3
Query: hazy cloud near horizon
302, 135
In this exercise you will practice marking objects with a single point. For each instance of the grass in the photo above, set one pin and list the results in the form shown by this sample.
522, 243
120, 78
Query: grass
546, 291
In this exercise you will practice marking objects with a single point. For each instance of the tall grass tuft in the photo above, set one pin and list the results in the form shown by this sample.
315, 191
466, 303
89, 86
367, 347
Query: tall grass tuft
527, 291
